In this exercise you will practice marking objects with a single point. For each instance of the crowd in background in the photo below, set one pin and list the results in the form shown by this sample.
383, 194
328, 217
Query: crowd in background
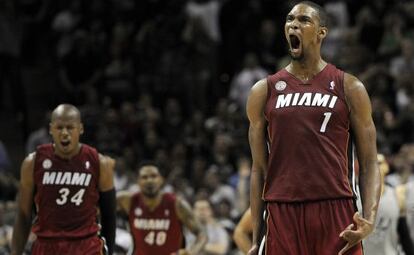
168, 81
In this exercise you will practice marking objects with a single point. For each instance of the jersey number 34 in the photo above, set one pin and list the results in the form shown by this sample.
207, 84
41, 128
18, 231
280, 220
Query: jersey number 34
76, 198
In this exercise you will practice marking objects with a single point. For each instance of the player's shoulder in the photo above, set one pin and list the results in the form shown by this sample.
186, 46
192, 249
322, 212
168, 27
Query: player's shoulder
352, 82
258, 90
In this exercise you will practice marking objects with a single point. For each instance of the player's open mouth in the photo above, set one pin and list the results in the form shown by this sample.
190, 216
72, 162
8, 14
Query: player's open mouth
65, 143
294, 43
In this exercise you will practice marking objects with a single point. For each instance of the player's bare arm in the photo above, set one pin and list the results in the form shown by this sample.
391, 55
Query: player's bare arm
107, 200
365, 138
187, 217
241, 235
23, 221
257, 130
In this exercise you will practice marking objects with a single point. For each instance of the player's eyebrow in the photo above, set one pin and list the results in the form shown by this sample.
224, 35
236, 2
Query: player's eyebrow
300, 17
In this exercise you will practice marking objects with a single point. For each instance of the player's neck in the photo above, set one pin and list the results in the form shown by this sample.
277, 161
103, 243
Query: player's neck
307, 68
67, 156
152, 202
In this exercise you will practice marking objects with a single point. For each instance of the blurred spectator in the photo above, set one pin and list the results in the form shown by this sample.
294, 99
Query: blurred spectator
242, 82
393, 33
218, 239
241, 182
217, 190
63, 24
6, 229
8, 184
338, 30
118, 73
80, 69
40, 135
403, 64
404, 165
109, 136
10, 66
5, 163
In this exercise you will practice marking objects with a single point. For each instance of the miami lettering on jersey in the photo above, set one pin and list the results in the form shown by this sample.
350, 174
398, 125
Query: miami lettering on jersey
306, 99
67, 178
152, 224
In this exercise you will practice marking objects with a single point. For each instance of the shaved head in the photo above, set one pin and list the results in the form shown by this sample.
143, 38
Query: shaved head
66, 127
323, 16
66, 111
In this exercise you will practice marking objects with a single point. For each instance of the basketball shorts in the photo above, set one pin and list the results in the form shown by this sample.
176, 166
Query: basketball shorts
309, 228
86, 246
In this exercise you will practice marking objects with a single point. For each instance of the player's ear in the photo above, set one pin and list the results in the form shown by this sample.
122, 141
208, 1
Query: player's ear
323, 32
81, 129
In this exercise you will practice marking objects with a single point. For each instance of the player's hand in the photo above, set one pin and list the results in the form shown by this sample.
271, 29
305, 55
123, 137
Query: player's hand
253, 250
353, 237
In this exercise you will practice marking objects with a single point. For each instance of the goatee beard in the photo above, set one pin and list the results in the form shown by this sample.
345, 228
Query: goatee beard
296, 58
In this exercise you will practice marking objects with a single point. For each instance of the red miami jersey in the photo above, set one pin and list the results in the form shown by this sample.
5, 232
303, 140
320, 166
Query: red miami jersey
308, 137
158, 231
66, 193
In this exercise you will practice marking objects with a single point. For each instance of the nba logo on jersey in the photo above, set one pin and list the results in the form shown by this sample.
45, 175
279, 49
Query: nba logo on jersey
332, 85
167, 212
138, 211
47, 163
87, 164
280, 85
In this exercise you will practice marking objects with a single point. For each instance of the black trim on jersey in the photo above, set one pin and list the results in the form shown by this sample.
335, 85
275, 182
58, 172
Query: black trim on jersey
352, 178
263, 232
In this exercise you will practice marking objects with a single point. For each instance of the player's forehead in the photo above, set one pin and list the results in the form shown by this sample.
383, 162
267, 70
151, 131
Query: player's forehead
304, 10
148, 171
65, 120
67, 114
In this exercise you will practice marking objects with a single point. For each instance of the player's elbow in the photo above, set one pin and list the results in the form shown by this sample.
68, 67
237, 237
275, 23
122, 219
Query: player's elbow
238, 235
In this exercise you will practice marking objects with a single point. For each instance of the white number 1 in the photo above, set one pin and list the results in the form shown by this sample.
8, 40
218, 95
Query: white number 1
325, 121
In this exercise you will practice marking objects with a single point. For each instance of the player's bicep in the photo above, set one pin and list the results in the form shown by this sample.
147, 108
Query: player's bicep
361, 120
106, 173
186, 216
26, 186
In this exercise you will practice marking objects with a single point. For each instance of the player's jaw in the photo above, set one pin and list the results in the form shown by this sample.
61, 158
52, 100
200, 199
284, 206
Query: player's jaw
66, 145
150, 190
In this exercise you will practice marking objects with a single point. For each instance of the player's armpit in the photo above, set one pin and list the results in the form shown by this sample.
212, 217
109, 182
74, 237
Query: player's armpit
106, 173
23, 220
187, 217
